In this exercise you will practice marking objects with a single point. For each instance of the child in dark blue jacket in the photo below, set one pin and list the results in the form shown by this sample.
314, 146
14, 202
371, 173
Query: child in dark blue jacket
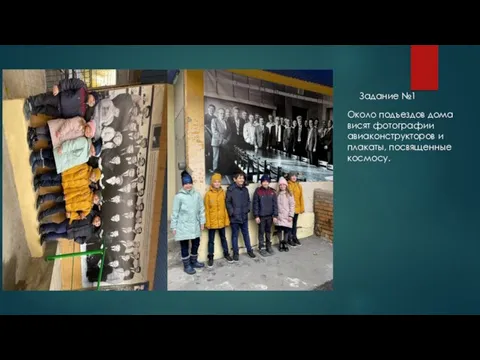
238, 207
68, 99
265, 211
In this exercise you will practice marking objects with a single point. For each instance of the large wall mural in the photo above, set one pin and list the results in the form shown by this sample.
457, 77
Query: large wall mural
124, 119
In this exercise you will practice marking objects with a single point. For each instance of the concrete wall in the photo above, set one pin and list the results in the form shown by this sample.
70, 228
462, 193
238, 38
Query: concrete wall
189, 117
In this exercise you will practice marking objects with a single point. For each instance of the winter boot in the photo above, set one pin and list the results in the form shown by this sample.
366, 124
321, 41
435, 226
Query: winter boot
195, 263
281, 247
31, 144
187, 267
269, 248
285, 246
289, 240
261, 248
263, 252
210, 260
36, 156
295, 240
228, 257
30, 134
27, 109
33, 158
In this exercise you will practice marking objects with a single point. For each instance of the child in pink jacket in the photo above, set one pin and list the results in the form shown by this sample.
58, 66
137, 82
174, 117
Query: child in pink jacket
59, 130
286, 211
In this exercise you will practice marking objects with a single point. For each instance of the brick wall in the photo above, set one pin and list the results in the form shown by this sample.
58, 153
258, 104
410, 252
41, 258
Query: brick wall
323, 208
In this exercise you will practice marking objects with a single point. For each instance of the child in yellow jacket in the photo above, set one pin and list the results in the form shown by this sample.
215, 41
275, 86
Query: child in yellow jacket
296, 189
217, 217
76, 208
79, 206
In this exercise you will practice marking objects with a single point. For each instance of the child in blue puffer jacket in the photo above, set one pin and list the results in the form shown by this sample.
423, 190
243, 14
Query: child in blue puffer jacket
187, 223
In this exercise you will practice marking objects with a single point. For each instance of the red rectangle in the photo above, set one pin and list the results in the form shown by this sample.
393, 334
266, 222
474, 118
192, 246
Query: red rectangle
424, 67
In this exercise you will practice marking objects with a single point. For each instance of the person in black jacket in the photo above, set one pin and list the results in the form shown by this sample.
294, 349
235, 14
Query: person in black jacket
94, 272
265, 211
78, 231
327, 142
68, 99
238, 207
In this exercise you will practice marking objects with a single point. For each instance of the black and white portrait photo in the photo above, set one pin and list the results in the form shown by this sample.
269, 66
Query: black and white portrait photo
122, 119
260, 127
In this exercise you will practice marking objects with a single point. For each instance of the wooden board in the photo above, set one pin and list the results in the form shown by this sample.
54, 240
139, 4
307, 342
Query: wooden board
71, 268
159, 193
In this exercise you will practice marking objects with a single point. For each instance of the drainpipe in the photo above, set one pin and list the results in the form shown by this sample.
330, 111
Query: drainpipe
182, 144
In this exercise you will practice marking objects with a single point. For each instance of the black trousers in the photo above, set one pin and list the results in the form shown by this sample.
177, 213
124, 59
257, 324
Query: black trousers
264, 231
311, 157
46, 104
283, 233
294, 226
186, 250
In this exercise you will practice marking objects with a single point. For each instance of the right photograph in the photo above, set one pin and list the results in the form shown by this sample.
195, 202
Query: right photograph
250, 180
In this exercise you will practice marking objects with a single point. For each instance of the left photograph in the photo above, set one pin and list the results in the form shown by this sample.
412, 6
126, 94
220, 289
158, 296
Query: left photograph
84, 160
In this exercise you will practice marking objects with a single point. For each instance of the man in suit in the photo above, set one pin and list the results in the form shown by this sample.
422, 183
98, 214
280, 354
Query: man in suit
300, 138
244, 117
261, 134
228, 114
287, 138
236, 125
220, 138
268, 127
210, 114
311, 145
276, 135
328, 141
249, 132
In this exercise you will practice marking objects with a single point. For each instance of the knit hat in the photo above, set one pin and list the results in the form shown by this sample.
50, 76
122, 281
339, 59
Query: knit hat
93, 126
265, 178
186, 178
96, 96
282, 181
98, 146
216, 177
98, 173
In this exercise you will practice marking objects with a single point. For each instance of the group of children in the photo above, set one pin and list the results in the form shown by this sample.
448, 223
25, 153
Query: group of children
220, 209
67, 149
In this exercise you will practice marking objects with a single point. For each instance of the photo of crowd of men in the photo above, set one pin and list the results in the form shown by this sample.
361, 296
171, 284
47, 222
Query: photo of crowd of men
260, 140
123, 119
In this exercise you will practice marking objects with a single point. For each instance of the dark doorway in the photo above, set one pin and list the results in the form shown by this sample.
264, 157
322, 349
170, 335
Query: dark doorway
280, 111
296, 111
